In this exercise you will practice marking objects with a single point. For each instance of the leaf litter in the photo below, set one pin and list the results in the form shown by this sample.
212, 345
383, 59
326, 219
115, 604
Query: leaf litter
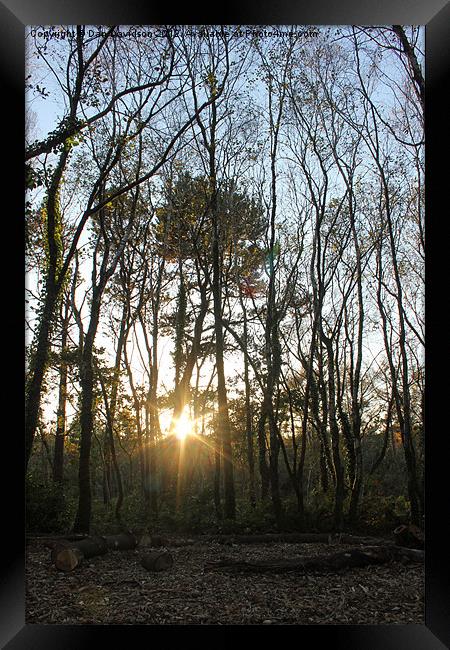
115, 589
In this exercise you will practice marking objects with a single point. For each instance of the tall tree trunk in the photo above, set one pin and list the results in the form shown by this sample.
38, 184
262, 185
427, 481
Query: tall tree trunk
416, 71
223, 417
272, 351
272, 388
137, 410
58, 458
53, 284
181, 391
262, 451
217, 462
355, 376
83, 516
110, 451
249, 431
334, 429
273, 467
309, 396
248, 417
180, 325
154, 431
107, 486
112, 446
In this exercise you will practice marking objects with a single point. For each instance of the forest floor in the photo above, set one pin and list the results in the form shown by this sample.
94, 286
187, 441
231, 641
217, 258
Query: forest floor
115, 589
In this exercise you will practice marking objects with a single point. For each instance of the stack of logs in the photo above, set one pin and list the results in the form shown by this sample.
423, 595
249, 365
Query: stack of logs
67, 555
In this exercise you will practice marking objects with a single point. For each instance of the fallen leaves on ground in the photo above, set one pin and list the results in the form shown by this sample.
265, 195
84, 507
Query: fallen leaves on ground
115, 589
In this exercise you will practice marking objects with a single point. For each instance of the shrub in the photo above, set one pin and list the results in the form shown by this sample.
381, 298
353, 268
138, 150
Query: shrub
47, 509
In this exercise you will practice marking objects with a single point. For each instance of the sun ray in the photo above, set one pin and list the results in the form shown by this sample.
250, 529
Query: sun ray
183, 426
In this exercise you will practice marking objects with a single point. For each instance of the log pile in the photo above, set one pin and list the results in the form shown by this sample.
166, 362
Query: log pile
68, 555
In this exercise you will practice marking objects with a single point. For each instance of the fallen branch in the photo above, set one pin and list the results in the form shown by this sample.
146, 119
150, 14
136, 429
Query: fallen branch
354, 557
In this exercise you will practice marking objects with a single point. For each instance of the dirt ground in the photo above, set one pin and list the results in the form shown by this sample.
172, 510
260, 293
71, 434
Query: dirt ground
116, 589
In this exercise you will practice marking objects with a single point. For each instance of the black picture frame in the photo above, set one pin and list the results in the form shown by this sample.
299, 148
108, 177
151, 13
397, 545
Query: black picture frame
15, 15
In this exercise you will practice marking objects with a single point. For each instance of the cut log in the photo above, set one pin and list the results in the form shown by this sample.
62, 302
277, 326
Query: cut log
409, 536
157, 561
68, 559
353, 557
90, 546
297, 538
66, 556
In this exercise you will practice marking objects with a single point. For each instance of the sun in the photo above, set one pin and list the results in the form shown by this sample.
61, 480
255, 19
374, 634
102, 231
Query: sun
183, 426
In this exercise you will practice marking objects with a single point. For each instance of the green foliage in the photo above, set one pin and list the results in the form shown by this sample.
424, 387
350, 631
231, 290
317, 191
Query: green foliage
192, 518
185, 217
384, 512
56, 235
254, 520
33, 178
65, 136
47, 509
